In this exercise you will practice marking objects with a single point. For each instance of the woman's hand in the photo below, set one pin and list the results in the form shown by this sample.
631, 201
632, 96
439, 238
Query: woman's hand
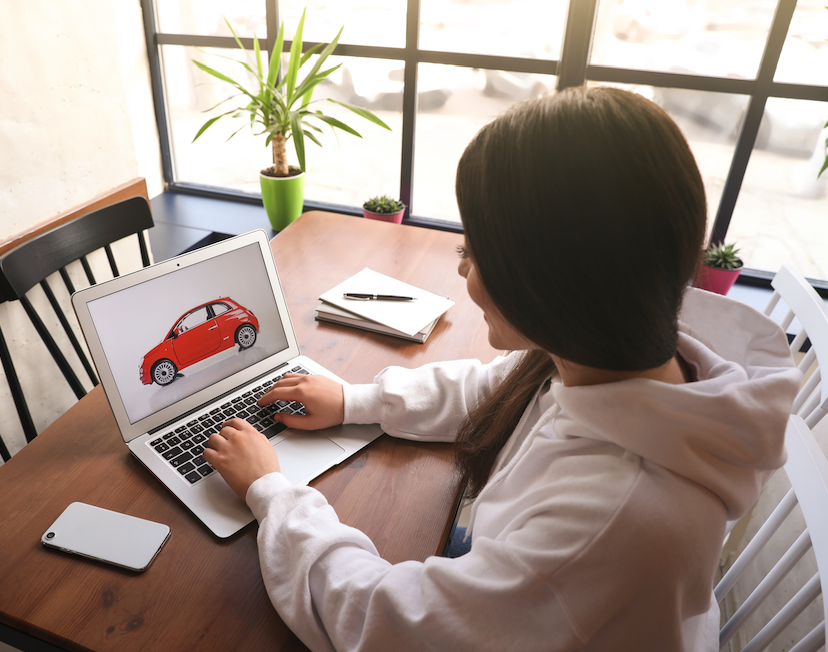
321, 396
241, 454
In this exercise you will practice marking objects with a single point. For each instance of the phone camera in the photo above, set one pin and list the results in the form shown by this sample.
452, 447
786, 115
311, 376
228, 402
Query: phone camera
50, 535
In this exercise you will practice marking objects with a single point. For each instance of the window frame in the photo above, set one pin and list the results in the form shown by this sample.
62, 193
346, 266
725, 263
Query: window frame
572, 69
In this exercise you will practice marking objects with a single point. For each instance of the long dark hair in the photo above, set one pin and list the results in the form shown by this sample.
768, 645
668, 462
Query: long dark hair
585, 216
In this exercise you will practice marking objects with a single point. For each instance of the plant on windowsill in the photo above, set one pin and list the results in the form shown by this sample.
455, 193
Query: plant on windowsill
719, 268
383, 207
278, 107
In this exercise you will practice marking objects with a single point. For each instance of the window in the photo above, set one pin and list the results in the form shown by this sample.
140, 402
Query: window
746, 80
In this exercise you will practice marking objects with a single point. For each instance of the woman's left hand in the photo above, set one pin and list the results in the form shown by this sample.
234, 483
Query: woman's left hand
241, 454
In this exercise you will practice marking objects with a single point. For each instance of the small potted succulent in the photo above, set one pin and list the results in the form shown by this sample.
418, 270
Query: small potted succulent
719, 268
384, 208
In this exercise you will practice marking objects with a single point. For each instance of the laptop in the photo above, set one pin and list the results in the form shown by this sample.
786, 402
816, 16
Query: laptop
185, 344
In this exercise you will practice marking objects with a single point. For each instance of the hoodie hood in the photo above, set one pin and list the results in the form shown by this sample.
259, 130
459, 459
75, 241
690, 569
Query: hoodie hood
717, 431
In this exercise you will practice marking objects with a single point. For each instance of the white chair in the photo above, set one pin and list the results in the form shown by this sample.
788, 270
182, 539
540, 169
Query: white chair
809, 309
807, 469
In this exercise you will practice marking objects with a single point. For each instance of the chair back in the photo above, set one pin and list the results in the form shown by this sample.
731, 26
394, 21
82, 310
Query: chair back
34, 261
807, 469
804, 304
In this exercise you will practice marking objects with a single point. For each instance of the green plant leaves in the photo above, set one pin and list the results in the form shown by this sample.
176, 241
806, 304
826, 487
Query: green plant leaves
273, 103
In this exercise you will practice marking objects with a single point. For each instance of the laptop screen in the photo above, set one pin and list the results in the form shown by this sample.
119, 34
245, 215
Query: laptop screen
174, 335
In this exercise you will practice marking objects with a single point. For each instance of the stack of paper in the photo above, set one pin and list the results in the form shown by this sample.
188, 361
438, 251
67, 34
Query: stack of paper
411, 320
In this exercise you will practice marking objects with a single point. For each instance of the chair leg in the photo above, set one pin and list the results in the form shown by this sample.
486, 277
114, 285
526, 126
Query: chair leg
17, 393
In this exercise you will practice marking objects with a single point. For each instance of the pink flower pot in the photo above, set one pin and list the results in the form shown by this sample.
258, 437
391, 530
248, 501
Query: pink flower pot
396, 218
716, 280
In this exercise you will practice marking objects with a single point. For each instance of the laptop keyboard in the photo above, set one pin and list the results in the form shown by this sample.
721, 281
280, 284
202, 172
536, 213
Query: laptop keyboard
183, 446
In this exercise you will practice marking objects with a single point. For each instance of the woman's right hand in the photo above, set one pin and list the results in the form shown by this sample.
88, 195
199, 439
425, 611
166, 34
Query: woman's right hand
322, 397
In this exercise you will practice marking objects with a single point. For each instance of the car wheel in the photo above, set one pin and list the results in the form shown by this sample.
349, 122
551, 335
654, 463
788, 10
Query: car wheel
163, 372
246, 336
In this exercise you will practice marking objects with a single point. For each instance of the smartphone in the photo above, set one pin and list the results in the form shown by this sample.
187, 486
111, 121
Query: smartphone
104, 535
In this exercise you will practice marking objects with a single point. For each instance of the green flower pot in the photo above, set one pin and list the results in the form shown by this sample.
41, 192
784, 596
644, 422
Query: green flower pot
283, 198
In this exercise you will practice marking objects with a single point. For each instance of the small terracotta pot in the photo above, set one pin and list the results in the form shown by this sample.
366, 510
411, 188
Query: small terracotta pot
396, 218
716, 280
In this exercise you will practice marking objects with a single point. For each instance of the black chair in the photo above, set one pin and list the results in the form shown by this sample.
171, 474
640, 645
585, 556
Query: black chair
32, 262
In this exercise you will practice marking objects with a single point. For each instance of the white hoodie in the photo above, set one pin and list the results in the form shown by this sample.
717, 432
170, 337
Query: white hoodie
599, 529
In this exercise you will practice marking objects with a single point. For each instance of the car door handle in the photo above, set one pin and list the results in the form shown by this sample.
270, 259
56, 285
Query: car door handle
212, 328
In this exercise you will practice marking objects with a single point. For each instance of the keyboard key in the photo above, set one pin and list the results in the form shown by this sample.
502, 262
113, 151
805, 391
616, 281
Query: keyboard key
181, 429
187, 445
170, 454
160, 448
181, 459
155, 442
205, 470
246, 394
237, 399
186, 468
274, 430
174, 441
224, 406
190, 424
198, 460
216, 411
193, 477
199, 438
168, 435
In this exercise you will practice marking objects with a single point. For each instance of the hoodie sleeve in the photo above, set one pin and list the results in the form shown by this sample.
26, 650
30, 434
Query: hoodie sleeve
329, 585
428, 403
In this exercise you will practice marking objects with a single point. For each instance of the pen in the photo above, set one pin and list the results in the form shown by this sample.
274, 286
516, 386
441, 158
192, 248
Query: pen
375, 297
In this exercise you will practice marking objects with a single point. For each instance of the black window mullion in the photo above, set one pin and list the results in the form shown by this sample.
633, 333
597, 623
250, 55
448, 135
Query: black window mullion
156, 81
763, 88
577, 43
412, 38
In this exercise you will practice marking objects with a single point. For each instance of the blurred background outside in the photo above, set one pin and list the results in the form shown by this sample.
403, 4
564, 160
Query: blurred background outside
781, 215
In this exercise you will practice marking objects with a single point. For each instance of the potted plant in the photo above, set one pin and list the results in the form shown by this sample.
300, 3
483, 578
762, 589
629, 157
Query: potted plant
279, 107
719, 268
384, 208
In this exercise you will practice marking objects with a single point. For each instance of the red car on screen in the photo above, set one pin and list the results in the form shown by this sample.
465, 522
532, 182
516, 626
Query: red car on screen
199, 333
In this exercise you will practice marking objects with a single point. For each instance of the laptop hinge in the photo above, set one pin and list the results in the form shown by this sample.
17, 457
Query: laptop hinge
212, 401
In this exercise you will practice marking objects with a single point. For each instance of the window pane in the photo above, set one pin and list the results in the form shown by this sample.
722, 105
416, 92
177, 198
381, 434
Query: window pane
206, 17
345, 171
350, 170
366, 22
448, 119
212, 160
804, 58
516, 28
721, 38
780, 216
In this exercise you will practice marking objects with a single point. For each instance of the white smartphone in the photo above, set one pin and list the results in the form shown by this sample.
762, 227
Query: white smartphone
108, 536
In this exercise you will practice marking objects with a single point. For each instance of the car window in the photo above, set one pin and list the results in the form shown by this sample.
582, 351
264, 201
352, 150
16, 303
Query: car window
193, 319
220, 308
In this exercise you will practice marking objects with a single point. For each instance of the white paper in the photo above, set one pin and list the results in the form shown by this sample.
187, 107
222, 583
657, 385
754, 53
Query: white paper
408, 317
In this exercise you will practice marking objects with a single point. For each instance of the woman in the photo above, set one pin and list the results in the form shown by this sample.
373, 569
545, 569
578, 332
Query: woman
606, 453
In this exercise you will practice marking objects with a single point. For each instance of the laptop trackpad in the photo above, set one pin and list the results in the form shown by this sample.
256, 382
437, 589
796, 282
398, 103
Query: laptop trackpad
304, 454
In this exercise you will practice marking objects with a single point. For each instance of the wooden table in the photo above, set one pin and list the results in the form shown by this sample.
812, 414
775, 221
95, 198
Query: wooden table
203, 593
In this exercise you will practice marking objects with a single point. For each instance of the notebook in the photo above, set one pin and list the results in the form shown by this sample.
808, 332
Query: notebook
185, 344
407, 317
329, 312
